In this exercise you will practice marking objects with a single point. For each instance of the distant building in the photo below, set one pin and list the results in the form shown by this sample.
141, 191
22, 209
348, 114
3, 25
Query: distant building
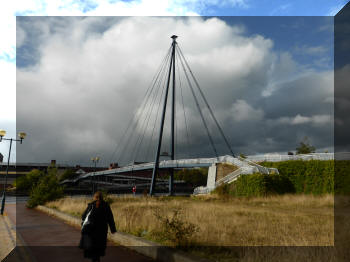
1, 158
18, 169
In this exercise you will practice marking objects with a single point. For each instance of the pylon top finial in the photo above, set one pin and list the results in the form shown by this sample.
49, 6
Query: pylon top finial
174, 37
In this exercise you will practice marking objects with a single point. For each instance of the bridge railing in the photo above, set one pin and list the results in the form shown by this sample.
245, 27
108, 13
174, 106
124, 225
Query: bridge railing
312, 156
262, 169
229, 178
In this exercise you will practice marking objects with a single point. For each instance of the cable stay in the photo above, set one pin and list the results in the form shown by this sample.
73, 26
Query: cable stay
199, 109
144, 101
206, 102
139, 138
140, 110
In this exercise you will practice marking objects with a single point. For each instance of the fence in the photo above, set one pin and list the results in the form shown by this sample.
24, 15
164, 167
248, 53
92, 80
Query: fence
313, 156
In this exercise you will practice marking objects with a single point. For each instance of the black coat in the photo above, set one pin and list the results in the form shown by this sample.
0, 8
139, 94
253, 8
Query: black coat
94, 242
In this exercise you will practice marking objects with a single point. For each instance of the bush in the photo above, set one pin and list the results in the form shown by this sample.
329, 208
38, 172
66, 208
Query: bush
47, 189
309, 177
67, 174
174, 229
342, 177
260, 185
222, 190
25, 183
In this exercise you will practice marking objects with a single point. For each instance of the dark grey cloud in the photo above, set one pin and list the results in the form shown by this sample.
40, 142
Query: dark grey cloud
82, 79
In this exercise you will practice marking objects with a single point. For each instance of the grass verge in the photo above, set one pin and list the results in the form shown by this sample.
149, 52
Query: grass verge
213, 223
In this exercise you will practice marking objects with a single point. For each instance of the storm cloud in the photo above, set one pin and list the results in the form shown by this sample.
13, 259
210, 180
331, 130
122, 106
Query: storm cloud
81, 79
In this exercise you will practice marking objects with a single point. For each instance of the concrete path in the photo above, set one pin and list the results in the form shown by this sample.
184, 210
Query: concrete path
44, 238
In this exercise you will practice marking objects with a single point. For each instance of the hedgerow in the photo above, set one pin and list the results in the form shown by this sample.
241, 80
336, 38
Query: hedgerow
307, 176
342, 177
295, 176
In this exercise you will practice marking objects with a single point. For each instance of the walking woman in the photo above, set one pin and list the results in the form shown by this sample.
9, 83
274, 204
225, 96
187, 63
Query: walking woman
96, 218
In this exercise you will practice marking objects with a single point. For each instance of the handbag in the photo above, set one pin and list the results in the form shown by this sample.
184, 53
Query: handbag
87, 225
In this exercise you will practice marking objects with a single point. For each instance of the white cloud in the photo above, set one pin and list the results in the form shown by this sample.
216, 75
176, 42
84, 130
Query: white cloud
242, 111
317, 50
283, 69
299, 119
87, 8
86, 81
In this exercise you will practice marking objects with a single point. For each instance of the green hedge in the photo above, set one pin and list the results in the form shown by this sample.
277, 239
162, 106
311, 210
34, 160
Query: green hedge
295, 176
257, 185
308, 177
342, 177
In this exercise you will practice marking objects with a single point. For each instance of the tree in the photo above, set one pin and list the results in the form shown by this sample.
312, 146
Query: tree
47, 188
68, 174
24, 183
305, 147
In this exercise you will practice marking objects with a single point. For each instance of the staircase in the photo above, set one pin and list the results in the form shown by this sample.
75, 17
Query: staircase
245, 167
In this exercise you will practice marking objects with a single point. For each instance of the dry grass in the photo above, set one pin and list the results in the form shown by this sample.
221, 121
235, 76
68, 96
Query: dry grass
276, 228
288, 220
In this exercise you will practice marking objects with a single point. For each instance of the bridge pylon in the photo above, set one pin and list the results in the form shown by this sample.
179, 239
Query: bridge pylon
160, 137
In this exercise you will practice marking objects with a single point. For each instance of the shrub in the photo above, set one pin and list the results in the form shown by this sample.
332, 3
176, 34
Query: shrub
260, 185
222, 190
26, 182
309, 177
174, 229
47, 189
342, 177
67, 174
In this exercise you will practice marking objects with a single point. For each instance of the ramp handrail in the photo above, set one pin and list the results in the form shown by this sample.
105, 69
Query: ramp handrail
228, 178
262, 169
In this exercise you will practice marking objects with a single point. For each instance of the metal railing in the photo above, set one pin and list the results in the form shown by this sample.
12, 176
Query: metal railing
229, 178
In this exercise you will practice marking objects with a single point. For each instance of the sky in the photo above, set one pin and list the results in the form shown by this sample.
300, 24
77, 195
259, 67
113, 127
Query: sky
291, 50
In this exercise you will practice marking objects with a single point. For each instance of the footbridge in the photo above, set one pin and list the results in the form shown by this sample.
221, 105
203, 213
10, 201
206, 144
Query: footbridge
173, 81
223, 169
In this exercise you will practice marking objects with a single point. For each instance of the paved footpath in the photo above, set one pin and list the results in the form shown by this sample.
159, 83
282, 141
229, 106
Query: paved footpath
43, 238
7, 236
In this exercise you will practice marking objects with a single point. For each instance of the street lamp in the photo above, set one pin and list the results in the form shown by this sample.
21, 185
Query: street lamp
21, 135
94, 160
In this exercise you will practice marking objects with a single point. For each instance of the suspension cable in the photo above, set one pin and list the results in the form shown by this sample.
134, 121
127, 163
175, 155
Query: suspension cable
183, 106
146, 122
131, 119
142, 111
207, 104
198, 107
144, 102
157, 114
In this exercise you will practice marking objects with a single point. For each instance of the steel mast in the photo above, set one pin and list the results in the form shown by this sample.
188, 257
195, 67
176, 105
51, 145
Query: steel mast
172, 154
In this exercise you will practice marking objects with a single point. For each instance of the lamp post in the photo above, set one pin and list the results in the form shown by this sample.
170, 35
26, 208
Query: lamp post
21, 135
94, 160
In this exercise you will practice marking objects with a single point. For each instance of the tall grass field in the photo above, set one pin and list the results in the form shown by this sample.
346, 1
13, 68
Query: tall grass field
280, 220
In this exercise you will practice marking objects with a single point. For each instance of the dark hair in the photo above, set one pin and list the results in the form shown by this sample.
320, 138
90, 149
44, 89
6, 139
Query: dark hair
98, 197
